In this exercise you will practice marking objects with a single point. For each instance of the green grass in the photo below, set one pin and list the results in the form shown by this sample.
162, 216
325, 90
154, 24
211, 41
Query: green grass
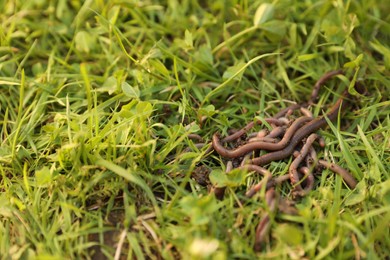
97, 100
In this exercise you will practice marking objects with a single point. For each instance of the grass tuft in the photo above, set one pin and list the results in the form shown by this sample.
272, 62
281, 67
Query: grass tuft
98, 100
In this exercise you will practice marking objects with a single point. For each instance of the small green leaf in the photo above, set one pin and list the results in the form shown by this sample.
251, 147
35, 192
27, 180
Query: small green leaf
232, 179
159, 67
84, 41
110, 85
43, 176
208, 111
358, 195
194, 128
349, 48
306, 57
274, 30
204, 55
236, 178
355, 63
144, 108
113, 14
289, 234
188, 39
198, 209
218, 178
130, 91
237, 71
264, 13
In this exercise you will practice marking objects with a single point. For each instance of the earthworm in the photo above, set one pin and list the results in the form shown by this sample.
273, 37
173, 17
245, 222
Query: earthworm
271, 183
261, 133
346, 175
263, 139
276, 132
284, 111
251, 167
246, 148
304, 131
321, 141
311, 158
309, 177
245, 159
250, 125
283, 120
321, 81
263, 227
306, 112
266, 173
196, 137
294, 177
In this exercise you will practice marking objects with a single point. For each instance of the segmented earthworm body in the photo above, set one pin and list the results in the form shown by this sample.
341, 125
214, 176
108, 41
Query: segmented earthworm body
293, 170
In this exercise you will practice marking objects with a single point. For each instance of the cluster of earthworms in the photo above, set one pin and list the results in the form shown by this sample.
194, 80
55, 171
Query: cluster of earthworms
290, 133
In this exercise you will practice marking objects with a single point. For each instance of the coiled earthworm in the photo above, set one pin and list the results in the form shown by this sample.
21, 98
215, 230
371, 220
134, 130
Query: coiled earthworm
309, 178
250, 125
346, 175
293, 170
304, 131
246, 148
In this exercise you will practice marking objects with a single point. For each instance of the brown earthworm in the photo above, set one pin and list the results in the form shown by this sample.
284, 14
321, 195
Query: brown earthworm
294, 177
245, 159
321, 81
304, 131
309, 177
271, 183
284, 111
284, 120
263, 139
263, 228
346, 175
321, 141
250, 125
251, 167
266, 173
306, 112
311, 159
196, 137
246, 148
261, 133
276, 132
